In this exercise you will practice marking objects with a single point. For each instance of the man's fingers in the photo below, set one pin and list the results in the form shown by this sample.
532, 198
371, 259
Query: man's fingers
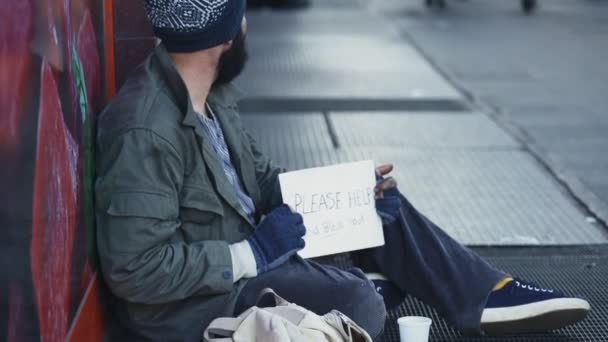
386, 184
384, 169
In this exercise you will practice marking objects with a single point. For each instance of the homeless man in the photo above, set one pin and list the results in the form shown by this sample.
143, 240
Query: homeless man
191, 223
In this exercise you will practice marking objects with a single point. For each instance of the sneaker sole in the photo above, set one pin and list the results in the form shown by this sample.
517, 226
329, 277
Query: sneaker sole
533, 318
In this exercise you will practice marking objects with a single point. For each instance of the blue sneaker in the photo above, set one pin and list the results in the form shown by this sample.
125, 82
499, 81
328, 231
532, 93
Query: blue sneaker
392, 295
523, 307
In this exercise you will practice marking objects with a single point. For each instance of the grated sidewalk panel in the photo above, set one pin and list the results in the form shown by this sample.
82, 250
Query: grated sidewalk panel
339, 67
581, 271
335, 54
480, 196
487, 197
291, 140
424, 130
582, 274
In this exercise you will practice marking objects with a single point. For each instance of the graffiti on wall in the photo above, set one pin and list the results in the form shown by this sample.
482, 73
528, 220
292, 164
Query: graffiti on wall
50, 91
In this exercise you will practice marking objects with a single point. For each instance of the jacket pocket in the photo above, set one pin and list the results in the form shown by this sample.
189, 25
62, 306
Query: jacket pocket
199, 205
142, 204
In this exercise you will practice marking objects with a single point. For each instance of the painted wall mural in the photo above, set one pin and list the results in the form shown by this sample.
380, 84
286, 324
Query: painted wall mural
50, 91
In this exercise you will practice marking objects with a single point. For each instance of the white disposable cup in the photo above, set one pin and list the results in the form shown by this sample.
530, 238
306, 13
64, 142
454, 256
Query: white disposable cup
414, 328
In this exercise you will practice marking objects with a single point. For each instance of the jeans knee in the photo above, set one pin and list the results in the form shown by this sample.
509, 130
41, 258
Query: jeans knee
366, 307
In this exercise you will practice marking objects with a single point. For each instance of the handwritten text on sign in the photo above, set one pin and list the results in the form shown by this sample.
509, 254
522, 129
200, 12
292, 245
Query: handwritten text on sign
338, 206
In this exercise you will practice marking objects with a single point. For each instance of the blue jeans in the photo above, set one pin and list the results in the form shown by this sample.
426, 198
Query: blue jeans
418, 257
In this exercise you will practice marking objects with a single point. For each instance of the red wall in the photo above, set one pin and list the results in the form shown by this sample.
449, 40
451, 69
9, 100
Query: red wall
133, 36
52, 85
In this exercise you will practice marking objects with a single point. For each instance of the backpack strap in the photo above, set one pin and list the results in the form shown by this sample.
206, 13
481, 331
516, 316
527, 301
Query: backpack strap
221, 329
267, 297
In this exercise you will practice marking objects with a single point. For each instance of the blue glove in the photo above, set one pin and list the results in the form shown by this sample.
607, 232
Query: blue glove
277, 238
389, 206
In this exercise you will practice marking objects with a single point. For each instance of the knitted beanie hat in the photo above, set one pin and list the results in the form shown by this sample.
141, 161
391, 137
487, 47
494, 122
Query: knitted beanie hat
191, 25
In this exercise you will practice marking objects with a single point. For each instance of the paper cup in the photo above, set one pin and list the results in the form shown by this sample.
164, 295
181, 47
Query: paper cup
414, 328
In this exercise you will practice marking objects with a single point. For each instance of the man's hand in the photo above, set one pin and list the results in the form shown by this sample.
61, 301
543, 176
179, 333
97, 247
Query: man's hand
388, 202
277, 238
383, 184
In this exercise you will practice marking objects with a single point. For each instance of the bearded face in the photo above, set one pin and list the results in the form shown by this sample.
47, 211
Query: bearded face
232, 62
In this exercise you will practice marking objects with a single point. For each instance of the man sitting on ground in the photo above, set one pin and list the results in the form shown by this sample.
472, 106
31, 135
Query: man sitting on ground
191, 223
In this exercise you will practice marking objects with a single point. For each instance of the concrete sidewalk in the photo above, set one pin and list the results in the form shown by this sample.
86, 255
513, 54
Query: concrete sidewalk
335, 83
544, 76
336, 58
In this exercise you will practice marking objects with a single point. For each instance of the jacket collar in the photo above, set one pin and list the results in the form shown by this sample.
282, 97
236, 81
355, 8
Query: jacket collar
224, 96
223, 99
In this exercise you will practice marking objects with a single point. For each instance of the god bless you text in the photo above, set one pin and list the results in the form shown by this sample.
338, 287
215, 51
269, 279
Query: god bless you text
317, 202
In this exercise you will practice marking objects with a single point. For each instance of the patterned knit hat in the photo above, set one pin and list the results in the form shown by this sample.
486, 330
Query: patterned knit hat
191, 25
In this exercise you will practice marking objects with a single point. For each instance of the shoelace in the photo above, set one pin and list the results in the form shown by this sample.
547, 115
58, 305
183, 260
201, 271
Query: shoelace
531, 286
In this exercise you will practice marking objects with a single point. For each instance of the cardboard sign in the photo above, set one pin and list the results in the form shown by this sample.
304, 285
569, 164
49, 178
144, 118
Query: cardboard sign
338, 206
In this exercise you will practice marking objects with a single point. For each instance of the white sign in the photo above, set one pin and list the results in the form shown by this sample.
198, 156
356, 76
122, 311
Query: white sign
338, 206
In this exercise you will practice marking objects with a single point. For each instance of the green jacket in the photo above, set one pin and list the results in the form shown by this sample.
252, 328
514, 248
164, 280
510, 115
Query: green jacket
166, 211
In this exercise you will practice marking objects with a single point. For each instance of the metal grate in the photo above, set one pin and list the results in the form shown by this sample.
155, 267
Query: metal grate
479, 186
420, 130
574, 270
335, 54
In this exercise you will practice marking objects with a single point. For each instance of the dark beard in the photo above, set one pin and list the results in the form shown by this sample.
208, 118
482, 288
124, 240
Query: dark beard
232, 62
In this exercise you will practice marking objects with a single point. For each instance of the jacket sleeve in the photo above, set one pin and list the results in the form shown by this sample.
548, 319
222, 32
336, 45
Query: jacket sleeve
267, 175
143, 257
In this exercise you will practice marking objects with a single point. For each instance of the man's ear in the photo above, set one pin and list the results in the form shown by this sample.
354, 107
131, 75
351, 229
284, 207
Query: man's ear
226, 46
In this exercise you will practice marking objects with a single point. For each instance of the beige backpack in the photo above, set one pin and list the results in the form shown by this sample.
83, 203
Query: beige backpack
284, 322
